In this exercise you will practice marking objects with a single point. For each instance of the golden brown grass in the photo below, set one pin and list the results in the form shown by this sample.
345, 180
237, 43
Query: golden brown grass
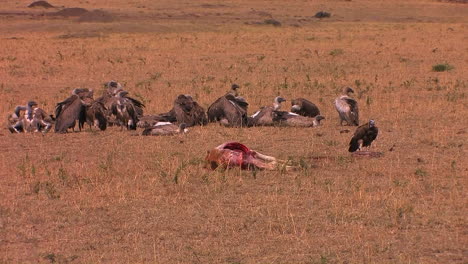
108, 197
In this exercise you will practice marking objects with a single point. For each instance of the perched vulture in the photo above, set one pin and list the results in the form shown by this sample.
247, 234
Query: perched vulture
34, 119
347, 108
188, 111
363, 136
294, 120
165, 129
230, 109
266, 114
71, 109
304, 107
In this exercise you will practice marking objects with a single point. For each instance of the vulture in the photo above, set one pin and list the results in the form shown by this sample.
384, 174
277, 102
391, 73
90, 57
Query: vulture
304, 107
188, 111
124, 110
34, 119
147, 121
265, 116
165, 129
230, 109
71, 109
95, 112
294, 120
110, 98
363, 136
347, 108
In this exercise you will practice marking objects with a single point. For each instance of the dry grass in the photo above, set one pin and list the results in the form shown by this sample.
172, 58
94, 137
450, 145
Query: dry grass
108, 197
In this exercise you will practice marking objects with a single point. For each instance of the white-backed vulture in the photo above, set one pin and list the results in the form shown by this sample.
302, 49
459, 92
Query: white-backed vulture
34, 119
124, 110
347, 108
363, 136
265, 116
165, 129
112, 96
284, 118
304, 107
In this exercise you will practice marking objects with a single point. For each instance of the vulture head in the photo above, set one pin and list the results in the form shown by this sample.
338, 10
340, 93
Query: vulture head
277, 102
185, 102
121, 93
31, 104
347, 90
183, 128
371, 123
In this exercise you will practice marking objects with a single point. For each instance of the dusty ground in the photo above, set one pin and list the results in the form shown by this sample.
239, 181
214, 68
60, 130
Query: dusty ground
109, 197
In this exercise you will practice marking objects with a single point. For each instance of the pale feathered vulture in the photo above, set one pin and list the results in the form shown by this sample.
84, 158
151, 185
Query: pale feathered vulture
304, 107
363, 136
265, 116
294, 120
72, 109
347, 108
124, 110
111, 98
34, 119
229, 110
165, 129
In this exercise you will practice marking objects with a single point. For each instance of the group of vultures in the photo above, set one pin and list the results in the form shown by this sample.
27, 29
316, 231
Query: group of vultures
116, 108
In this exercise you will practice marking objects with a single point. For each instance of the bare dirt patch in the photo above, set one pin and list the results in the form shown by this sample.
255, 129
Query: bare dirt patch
71, 12
97, 16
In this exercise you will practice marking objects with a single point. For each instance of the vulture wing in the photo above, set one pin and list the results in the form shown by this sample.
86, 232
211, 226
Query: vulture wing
359, 134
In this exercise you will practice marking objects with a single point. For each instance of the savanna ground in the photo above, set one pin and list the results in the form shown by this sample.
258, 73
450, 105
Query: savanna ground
109, 197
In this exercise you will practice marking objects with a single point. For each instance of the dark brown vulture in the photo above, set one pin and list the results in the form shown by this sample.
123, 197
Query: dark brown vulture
347, 108
304, 107
266, 114
363, 136
34, 119
165, 129
185, 110
229, 110
96, 115
71, 109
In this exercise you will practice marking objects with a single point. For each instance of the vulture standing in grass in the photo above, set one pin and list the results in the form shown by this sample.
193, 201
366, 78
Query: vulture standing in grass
71, 109
266, 115
304, 107
165, 129
124, 110
111, 98
347, 108
96, 114
230, 109
363, 136
34, 119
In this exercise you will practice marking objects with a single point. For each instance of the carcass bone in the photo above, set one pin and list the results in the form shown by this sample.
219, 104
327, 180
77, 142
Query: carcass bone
235, 154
